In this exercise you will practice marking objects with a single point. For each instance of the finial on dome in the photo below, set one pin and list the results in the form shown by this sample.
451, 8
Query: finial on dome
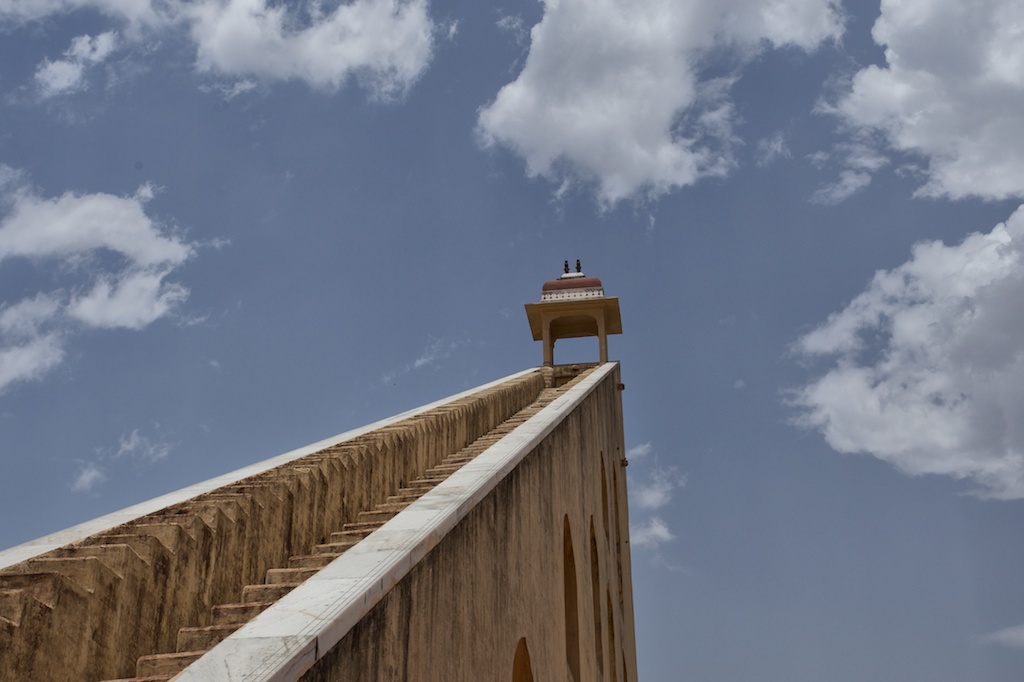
567, 267
579, 268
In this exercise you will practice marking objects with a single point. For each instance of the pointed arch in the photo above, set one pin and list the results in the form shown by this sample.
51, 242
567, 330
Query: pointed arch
595, 591
522, 670
604, 498
570, 598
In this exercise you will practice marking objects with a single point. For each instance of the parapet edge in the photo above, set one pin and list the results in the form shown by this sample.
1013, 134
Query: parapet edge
284, 641
77, 533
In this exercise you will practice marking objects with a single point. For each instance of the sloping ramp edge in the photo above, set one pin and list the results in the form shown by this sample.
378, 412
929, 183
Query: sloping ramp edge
284, 641
74, 534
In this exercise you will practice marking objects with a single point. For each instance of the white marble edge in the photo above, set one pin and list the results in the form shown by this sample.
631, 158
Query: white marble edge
317, 614
32, 548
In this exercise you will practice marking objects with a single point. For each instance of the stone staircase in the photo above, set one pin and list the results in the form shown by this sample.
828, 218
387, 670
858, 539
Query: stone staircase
194, 641
88, 610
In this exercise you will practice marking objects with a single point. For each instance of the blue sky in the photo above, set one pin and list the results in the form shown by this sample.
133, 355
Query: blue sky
229, 228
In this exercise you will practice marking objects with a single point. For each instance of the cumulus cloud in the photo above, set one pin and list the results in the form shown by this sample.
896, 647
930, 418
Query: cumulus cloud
639, 451
138, 14
68, 74
651, 487
385, 45
612, 91
656, 491
950, 93
138, 446
927, 364
115, 258
651, 534
88, 478
857, 159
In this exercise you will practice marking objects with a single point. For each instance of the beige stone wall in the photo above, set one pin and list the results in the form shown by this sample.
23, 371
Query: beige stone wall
500, 578
87, 611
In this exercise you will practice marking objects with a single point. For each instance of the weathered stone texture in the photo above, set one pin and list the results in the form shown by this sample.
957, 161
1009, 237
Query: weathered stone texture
500, 575
89, 611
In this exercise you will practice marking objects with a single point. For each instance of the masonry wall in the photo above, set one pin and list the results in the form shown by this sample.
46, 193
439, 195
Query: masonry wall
87, 611
533, 584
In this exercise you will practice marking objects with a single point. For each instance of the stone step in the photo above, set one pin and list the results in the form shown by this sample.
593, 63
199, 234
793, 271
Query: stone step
155, 665
312, 560
151, 678
46, 588
442, 470
415, 490
378, 516
13, 604
205, 637
266, 592
360, 527
88, 571
352, 536
431, 481
389, 507
405, 499
335, 548
288, 576
232, 614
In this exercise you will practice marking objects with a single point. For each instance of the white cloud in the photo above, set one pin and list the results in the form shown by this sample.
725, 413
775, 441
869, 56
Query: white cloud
639, 451
657, 490
1012, 637
88, 478
849, 183
29, 360
68, 75
116, 260
435, 351
611, 91
23, 319
928, 364
131, 446
132, 300
650, 535
771, 149
60, 77
75, 223
385, 44
137, 13
138, 446
951, 91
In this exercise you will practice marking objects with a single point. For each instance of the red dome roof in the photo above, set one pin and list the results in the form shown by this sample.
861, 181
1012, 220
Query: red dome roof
571, 283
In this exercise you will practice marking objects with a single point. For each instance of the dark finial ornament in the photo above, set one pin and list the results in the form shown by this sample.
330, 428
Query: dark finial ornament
567, 267
579, 268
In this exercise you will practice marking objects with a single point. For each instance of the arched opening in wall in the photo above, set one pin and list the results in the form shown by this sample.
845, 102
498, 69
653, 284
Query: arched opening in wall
573, 351
595, 591
611, 633
604, 497
572, 619
522, 670
618, 536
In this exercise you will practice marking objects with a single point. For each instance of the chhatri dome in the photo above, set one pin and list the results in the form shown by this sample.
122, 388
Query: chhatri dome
571, 306
571, 286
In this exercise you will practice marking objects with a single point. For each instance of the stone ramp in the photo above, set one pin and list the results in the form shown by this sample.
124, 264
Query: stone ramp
90, 610
194, 641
